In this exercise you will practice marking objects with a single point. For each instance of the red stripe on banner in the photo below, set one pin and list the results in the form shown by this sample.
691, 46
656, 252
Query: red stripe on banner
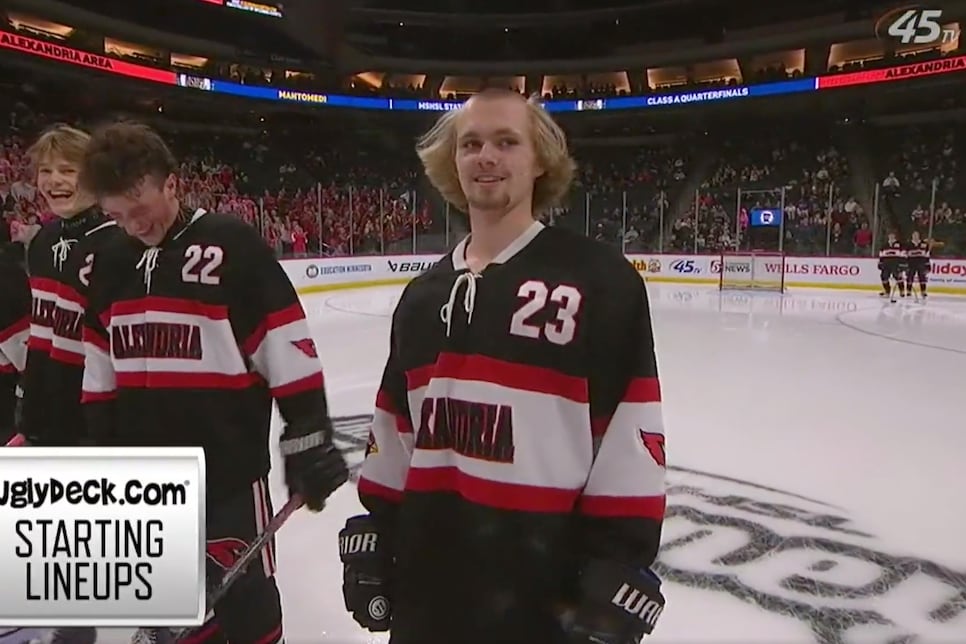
97, 396
309, 383
66, 356
522, 377
497, 494
39, 344
643, 390
646, 507
19, 326
274, 320
384, 403
155, 304
185, 380
93, 337
419, 376
371, 488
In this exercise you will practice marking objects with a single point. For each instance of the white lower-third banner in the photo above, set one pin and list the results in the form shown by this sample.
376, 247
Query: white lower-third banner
102, 536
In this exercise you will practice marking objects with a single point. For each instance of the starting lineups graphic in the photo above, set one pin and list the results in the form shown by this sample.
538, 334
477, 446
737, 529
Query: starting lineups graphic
114, 538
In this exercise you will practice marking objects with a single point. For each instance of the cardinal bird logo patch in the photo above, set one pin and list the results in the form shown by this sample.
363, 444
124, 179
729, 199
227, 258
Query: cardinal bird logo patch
306, 346
225, 552
655, 445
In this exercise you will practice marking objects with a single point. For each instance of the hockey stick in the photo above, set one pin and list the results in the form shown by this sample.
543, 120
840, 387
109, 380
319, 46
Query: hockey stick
17, 441
241, 564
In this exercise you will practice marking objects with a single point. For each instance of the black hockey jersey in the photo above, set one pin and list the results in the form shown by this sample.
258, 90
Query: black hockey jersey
518, 433
14, 331
59, 262
188, 342
893, 252
918, 253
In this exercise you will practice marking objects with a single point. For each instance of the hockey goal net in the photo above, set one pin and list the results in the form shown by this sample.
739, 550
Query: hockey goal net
752, 270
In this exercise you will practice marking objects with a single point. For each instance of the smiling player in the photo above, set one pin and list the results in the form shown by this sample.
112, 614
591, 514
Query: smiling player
515, 474
58, 262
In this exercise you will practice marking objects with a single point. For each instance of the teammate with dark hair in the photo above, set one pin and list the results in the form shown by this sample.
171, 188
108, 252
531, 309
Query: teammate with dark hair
191, 330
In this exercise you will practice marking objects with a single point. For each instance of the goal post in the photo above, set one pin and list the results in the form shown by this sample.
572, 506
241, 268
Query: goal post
754, 270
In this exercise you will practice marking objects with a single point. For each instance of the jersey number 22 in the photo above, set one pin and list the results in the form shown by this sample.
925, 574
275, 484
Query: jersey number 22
209, 258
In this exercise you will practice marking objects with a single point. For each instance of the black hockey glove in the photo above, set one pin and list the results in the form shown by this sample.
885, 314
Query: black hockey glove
365, 568
619, 605
314, 468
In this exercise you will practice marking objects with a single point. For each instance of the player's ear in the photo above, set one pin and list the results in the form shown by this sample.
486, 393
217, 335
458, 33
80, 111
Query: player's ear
538, 169
171, 186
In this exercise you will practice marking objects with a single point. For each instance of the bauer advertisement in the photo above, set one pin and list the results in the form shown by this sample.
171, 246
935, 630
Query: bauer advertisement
948, 276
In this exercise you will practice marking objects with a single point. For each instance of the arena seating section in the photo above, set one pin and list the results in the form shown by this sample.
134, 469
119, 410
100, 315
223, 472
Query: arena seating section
368, 195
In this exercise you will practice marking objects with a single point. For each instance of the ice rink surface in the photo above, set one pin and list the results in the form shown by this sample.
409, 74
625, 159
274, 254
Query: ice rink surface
816, 489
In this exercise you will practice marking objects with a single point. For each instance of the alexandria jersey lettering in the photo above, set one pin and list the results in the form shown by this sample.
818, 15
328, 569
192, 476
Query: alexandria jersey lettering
43, 311
918, 252
893, 251
157, 340
477, 430
465, 446
164, 342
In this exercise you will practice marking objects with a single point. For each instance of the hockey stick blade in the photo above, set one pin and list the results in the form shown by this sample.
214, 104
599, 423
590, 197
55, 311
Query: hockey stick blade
17, 441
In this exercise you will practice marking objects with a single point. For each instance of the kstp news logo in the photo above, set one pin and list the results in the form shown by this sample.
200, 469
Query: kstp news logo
715, 266
685, 266
915, 25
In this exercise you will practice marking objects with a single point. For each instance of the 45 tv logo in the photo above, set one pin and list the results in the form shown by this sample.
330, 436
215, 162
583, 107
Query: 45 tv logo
685, 266
915, 25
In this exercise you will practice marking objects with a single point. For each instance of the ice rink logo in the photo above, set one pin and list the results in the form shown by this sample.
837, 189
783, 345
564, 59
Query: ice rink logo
788, 555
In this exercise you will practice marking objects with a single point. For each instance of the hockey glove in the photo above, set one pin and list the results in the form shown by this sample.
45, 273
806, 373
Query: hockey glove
314, 468
365, 569
619, 605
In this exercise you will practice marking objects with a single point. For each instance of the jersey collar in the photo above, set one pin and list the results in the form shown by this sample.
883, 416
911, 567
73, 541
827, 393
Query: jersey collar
82, 221
518, 244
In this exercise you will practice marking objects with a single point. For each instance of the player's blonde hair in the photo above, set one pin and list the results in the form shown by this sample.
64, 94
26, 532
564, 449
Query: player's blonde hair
437, 151
59, 141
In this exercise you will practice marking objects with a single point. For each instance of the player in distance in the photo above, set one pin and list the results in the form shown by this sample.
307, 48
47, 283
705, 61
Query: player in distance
514, 477
191, 330
58, 263
892, 259
918, 253
14, 330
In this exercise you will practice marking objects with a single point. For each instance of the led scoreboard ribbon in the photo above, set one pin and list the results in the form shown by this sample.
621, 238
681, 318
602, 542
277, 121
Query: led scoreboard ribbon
63, 54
